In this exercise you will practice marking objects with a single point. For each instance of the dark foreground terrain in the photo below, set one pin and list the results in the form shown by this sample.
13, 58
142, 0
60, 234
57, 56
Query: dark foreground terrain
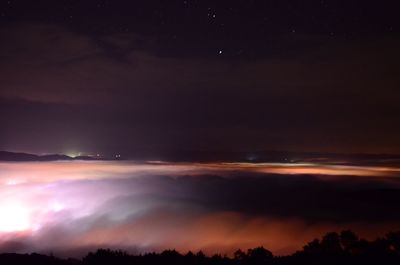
333, 248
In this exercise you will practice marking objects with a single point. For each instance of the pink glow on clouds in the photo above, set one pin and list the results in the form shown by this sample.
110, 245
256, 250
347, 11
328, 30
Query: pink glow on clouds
62, 206
16, 173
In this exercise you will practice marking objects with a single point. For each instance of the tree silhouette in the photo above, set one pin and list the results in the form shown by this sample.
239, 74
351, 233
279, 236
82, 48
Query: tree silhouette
259, 255
314, 247
345, 248
239, 255
107, 256
349, 241
394, 241
331, 244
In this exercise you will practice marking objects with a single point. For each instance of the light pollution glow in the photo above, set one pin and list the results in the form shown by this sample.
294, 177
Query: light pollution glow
69, 206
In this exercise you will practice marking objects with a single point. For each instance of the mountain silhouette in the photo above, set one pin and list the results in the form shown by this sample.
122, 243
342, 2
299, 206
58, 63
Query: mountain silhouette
25, 157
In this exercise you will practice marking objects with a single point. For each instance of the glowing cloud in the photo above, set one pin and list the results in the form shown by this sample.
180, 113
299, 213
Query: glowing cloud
213, 207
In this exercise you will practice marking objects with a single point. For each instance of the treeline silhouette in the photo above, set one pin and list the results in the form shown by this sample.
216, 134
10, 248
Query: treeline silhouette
333, 248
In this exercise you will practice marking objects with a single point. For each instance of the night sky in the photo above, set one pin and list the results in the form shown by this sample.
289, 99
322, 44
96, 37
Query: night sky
155, 78
187, 95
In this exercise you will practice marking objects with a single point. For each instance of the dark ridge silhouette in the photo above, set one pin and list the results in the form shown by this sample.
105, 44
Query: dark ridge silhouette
333, 248
273, 156
203, 156
24, 157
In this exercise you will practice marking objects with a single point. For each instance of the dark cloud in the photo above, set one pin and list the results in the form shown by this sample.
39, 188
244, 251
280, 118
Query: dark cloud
309, 198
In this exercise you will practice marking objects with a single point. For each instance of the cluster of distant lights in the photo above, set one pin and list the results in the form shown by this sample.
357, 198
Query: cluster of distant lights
73, 155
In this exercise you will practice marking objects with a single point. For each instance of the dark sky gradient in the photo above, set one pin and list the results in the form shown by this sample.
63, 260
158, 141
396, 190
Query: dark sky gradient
154, 78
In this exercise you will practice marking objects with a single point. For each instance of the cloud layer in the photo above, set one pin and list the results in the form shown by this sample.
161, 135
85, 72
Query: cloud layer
213, 207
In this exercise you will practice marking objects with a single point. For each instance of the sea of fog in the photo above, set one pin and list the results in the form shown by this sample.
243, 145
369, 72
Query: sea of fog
70, 207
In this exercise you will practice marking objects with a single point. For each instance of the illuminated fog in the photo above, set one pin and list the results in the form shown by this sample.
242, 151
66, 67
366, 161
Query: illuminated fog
71, 207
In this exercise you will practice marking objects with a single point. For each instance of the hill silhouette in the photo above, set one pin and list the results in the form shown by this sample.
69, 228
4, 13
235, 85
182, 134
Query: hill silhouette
25, 157
270, 156
333, 248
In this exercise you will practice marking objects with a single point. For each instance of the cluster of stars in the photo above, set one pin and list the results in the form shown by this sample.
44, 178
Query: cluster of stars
233, 25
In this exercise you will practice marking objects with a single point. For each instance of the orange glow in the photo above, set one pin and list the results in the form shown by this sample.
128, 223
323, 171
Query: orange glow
16, 173
73, 201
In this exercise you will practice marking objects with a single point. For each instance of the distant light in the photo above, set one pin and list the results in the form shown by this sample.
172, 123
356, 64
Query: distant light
251, 157
72, 153
14, 218
220, 51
